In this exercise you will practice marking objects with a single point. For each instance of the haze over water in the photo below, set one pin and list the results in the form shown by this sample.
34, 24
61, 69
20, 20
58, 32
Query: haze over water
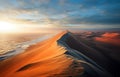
9, 42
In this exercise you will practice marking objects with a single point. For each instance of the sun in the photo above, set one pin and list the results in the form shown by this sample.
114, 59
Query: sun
6, 27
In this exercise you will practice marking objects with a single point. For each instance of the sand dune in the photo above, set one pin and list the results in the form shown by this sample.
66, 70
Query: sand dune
44, 59
110, 38
60, 56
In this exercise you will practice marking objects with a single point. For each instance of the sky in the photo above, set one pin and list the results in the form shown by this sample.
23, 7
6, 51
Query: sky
68, 14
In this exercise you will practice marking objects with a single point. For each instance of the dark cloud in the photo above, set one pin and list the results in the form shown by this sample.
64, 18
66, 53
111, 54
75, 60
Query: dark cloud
97, 12
96, 20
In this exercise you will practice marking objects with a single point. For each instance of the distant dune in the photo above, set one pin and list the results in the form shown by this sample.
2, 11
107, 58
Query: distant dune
112, 38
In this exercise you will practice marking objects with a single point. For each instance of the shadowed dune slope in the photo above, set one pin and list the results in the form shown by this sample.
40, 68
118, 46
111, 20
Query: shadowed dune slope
44, 59
95, 63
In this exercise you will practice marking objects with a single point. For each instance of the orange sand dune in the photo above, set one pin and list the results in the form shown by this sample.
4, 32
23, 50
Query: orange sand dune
44, 59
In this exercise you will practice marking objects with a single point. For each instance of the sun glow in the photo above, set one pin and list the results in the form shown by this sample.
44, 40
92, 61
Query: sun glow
6, 27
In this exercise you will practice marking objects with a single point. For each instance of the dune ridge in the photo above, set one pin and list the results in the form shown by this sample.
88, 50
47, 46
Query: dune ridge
44, 59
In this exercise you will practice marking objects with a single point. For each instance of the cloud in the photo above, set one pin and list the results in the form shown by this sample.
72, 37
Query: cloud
110, 38
95, 12
66, 12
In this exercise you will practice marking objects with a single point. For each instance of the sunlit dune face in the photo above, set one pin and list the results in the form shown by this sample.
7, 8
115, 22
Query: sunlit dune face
6, 27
